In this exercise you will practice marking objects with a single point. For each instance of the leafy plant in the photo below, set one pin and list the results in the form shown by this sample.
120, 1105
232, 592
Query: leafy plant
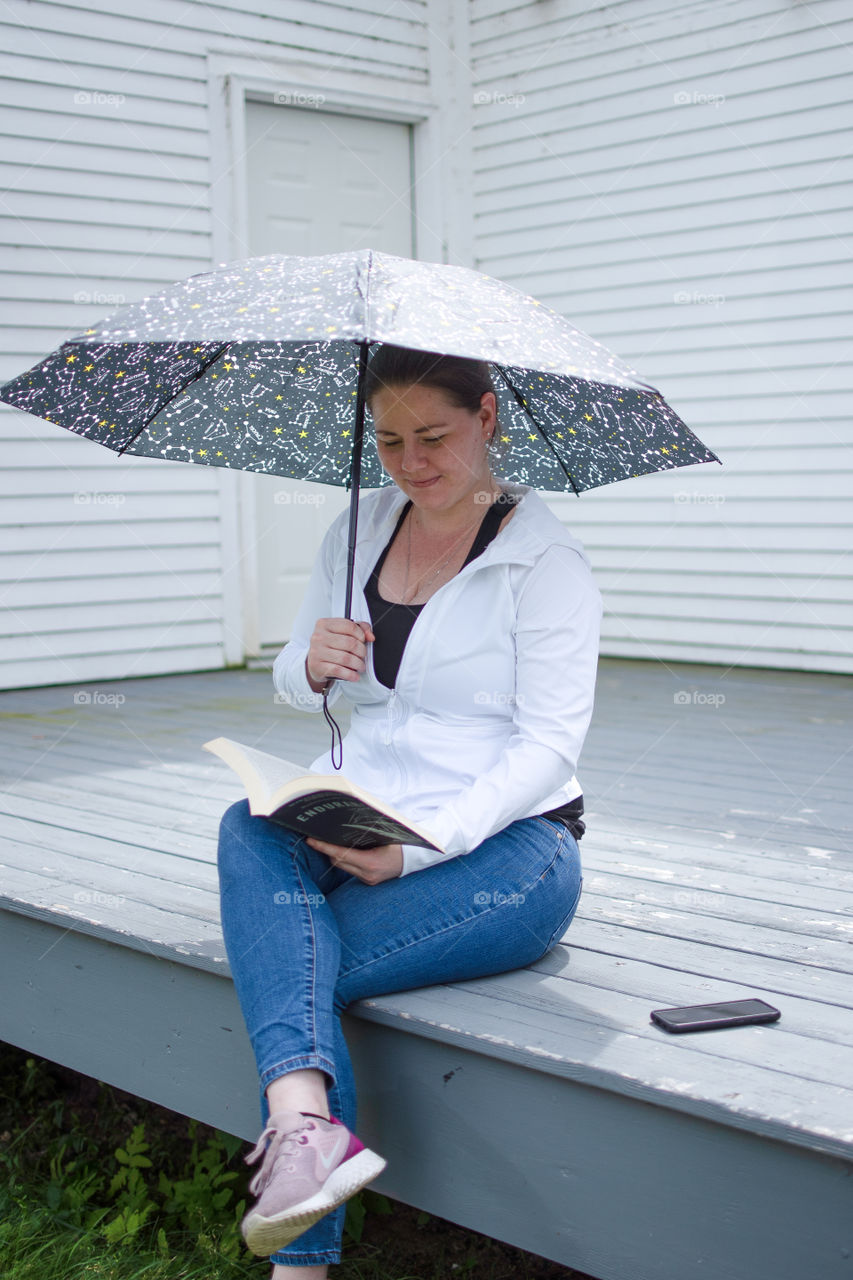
129, 1191
359, 1206
206, 1195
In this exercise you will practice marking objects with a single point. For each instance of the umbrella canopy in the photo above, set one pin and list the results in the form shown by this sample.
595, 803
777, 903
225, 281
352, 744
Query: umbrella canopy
260, 365
256, 366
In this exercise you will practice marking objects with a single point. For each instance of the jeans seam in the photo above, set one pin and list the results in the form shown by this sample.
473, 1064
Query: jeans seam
561, 928
311, 977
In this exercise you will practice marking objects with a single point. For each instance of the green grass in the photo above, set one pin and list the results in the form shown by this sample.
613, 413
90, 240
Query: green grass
96, 1184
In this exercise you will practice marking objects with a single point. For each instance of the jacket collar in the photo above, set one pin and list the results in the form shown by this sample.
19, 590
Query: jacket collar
532, 529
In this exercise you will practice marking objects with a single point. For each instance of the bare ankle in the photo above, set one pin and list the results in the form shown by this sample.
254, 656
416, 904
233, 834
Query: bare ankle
280, 1272
303, 1090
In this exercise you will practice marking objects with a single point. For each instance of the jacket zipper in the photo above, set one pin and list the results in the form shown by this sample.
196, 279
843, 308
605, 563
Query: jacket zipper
389, 707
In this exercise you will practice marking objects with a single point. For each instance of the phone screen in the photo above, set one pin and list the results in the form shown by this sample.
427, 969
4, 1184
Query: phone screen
722, 1013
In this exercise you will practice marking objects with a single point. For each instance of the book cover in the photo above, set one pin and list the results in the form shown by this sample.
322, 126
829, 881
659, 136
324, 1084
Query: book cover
325, 806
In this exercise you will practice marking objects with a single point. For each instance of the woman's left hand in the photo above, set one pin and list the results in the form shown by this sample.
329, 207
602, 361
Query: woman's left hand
370, 865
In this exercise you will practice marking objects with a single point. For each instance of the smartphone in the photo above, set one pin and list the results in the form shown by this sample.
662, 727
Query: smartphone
726, 1013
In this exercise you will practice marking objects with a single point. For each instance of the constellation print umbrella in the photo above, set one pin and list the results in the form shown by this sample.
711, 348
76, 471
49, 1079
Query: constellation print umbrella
259, 365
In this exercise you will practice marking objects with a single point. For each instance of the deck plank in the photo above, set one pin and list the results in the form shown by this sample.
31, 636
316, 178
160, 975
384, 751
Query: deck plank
663, 986
22, 842
749, 901
670, 859
526, 995
613, 947
687, 926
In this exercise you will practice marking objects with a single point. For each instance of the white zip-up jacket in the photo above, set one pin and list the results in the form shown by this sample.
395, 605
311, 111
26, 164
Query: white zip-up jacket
495, 689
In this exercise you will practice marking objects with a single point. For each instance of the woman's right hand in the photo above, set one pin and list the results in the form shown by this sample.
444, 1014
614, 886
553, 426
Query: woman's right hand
338, 651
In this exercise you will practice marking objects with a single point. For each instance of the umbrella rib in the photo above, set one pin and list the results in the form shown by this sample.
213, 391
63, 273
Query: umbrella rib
199, 373
521, 402
358, 442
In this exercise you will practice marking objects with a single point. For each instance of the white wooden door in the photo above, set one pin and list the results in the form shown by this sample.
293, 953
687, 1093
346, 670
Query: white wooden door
319, 182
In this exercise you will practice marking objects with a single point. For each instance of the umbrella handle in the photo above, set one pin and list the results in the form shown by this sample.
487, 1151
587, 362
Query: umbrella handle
337, 740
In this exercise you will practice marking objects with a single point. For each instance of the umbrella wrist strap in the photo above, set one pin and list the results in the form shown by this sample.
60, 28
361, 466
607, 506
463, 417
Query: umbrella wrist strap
337, 741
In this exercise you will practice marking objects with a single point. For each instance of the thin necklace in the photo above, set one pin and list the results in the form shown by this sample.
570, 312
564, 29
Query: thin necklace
408, 594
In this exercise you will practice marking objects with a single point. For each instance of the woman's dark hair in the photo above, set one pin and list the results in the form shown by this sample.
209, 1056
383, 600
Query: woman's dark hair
464, 381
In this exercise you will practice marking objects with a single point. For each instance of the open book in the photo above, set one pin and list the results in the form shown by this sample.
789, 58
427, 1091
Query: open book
322, 805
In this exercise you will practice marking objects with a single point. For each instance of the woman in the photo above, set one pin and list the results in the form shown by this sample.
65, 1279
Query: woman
470, 677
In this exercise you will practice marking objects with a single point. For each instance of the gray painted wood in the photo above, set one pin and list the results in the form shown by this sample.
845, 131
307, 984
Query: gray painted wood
717, 864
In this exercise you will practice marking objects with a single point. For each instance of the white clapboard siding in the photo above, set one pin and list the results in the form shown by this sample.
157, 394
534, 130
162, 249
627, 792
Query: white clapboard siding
675, 178
113, 567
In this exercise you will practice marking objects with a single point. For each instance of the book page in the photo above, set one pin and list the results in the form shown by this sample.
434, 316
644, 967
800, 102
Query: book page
266, 773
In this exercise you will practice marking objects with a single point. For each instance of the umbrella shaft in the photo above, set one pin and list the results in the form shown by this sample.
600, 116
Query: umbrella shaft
355, 474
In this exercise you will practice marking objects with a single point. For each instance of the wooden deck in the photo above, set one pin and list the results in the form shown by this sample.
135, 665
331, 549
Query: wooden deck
540, 1106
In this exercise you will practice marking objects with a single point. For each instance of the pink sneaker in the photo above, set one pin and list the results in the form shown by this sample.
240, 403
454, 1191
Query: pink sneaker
310, 1166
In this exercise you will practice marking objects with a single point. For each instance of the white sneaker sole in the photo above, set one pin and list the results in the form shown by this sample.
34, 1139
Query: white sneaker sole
267, 1235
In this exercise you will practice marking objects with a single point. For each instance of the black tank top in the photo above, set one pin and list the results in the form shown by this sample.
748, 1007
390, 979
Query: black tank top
392, 622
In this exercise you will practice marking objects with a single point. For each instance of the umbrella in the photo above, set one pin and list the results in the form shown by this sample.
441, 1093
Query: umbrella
260, 365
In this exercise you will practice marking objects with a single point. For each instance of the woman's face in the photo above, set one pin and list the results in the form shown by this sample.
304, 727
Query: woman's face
433, 450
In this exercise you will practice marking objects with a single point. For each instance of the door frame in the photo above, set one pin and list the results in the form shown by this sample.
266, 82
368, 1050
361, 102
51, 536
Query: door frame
442, 229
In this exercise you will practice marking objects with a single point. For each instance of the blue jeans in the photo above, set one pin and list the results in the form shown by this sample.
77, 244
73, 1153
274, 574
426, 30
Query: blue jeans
305, 939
